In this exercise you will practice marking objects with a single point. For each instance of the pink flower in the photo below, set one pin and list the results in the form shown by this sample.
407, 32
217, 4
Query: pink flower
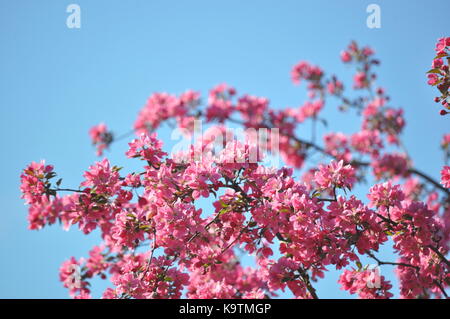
71, 276
336, 144
309, 110
306, 71
437, 63
158, 243
147, 148
100, 137
335, 87
385, 195
445, 176
159, 107
197, 176
346, 56
96, 263
445, 143
335, 174
47, 211
368, 284
391, 165
442, 44
432, 79
252, 109
367, 142
130, 228
35, 181
102, 177
190, 98
220, 106
367, 51
360, 80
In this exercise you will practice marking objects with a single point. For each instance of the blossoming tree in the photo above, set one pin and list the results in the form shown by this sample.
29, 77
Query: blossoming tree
157, 242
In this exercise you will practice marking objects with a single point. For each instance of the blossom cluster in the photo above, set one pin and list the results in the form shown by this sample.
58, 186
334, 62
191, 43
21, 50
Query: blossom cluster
101, 137
159, 240
439, 75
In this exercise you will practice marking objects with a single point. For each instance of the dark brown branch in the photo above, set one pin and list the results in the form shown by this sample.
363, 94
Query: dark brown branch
307, 282
441, 256
243, 230
371, 255
437, 283
67, 190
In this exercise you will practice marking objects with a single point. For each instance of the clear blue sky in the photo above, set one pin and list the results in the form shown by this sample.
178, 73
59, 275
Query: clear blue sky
56, 82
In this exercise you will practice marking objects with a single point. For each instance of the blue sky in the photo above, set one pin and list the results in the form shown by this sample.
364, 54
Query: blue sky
55, 83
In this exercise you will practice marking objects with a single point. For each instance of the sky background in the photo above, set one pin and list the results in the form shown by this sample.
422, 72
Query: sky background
55, 83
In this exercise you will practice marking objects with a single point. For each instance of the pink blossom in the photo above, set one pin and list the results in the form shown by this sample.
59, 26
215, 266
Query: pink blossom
432, 79
360, 80
363, 283
445, 143
385, 195
101, 137
252, 109
367, 142
335, 174
445, 176
437, 63
147, 148
309, 110
159, 107
346, 56
305, 71
391, 165
156, 241
70, 275
35, 181
337, 145
102, 177
220, 106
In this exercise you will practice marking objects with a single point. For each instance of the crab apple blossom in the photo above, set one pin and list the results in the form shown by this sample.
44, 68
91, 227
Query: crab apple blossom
179, 225
101, 137
336, 174
445, 179
35, 181
439, 74
356, 282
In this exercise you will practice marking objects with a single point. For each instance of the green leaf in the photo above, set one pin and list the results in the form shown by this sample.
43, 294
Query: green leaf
316, 194
440, 56
222, 211
438, 82
252, 224
438, 71
359, 265
224, 205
